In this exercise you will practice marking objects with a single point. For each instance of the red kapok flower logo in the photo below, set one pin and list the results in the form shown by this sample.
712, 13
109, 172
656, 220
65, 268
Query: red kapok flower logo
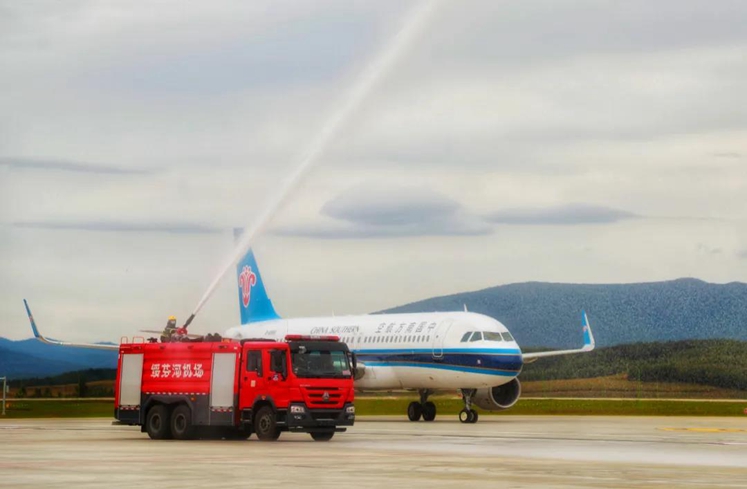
247, 279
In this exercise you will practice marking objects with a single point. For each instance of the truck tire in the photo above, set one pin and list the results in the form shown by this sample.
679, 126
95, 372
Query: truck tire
323, 436
157, 423
265, 424
181, 423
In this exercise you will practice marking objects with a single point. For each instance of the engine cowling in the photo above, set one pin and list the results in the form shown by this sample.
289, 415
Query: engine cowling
499, 397
359, 371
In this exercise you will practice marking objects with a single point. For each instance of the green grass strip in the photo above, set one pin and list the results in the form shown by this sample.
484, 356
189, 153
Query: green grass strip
446, 406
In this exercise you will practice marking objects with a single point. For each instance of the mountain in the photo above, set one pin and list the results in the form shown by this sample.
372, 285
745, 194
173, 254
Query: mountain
717, 363
32, 358
548, 314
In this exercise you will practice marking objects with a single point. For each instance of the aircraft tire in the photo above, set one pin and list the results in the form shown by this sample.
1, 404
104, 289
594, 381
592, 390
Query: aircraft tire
414, 411
474, 417
465, 416
322, 436
429, 411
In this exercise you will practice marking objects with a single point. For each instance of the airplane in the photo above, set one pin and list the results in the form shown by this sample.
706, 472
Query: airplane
422, 352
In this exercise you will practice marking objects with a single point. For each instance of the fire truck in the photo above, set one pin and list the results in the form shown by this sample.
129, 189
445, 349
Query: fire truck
187, 389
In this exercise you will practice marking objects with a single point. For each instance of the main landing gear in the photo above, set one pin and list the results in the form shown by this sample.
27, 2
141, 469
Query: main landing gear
425, 408
468, 415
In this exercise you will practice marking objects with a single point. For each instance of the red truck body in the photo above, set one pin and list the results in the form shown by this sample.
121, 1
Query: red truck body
182, 388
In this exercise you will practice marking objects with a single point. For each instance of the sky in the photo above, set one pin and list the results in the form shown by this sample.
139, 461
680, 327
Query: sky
509, 141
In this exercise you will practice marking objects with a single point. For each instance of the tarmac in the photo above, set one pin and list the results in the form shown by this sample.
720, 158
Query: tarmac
498, 451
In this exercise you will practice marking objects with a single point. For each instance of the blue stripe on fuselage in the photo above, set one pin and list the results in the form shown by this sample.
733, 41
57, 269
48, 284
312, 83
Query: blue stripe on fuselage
501, 364
466, 351
439, 366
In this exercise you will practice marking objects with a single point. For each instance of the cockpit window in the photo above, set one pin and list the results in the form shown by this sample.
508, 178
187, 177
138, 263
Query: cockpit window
466, 337
476, 336
507, 336
491, 336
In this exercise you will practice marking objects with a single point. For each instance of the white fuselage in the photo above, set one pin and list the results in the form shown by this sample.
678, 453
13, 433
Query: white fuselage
412, 351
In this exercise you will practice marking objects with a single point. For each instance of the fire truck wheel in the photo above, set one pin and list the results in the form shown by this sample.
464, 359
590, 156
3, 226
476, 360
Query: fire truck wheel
157, 423
323, 436
265, 424
181, 423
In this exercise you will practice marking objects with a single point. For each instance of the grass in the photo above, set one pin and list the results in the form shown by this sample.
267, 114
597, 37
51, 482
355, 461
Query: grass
620, 386
596, 407
367, 406
54, 408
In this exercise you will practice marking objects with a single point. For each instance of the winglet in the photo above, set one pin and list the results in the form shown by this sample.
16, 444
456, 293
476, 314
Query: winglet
48, 341
31, 319
589, 342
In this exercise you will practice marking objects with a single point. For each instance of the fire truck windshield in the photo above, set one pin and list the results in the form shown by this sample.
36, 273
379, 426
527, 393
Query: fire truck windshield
312, 363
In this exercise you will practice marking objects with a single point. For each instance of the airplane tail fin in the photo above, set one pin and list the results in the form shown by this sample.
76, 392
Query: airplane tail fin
254, 304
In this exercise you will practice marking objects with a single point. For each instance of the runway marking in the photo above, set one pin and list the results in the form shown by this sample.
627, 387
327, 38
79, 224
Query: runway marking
707, 430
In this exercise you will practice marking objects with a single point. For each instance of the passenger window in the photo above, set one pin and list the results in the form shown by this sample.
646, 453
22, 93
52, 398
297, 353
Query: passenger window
507, 336
254, 362
476, 336
465, 337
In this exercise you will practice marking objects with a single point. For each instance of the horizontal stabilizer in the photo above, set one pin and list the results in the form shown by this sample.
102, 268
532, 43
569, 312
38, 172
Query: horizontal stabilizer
50, 341
589, 344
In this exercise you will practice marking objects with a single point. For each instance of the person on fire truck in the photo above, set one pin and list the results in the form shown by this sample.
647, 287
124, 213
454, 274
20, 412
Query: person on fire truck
169, 330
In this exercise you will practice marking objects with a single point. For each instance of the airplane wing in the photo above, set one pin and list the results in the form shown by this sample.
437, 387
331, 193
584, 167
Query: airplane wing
49, 341
589, 344
189, 335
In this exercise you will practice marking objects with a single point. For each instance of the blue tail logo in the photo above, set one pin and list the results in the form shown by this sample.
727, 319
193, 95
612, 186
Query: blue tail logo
254, 303
247, 280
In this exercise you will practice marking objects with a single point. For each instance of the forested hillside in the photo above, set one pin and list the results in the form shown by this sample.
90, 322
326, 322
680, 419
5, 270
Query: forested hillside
548, 314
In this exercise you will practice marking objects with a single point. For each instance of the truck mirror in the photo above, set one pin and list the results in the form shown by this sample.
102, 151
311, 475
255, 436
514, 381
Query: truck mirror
284, 370
354, 363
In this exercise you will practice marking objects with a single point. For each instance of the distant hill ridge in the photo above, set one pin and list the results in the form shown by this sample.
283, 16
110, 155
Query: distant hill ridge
542, 314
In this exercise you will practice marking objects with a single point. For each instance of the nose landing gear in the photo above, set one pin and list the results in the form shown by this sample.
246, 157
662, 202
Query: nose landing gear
425, 408
468, 415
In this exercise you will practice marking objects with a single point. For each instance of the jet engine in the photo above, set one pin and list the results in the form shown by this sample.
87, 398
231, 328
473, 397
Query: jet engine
499, 397
359, 371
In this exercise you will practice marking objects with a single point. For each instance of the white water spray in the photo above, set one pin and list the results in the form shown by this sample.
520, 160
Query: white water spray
413, 24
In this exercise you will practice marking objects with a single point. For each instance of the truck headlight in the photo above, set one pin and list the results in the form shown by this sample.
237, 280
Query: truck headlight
350, 410
298, 409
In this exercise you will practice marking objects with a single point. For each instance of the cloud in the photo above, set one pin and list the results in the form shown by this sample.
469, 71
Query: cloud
389, 205
708, 250
70, 166
728, 154
388, 211
562, 215
742, 255
122, 227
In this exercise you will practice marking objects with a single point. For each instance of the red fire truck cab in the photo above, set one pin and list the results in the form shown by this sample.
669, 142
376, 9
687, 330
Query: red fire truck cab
181, 389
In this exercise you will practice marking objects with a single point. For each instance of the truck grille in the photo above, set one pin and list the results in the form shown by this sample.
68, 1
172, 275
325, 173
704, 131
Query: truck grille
324, 396
325, 414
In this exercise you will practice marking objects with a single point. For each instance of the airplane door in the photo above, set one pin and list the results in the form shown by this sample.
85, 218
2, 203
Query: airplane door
439, 336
